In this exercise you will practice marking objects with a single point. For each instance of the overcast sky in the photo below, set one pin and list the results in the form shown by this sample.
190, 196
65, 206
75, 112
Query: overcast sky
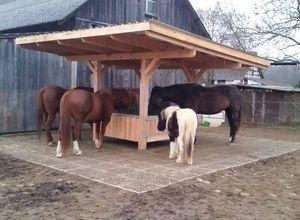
244, 6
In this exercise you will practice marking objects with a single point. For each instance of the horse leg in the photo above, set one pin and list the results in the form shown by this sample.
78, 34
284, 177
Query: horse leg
236, 123
180, 143
231, 124
58, 148
76, 134
97, 143
102, 132
173, 150
48, 126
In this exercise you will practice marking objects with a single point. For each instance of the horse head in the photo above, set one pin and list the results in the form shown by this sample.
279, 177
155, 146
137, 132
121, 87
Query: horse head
155, 100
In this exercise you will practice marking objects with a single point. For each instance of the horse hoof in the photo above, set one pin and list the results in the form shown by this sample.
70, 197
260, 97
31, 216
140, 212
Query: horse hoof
59, 155
230, 143
178, 160
190, 162
97, 144
172, 156
77, 153
50, 143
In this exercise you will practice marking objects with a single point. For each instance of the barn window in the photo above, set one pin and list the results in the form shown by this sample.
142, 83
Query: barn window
151, 7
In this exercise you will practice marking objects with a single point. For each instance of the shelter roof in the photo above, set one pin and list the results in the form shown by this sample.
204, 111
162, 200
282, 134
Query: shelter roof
22, 13
124, 45
268, 87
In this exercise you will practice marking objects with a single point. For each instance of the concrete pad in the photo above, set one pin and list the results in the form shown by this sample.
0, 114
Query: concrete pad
120, 165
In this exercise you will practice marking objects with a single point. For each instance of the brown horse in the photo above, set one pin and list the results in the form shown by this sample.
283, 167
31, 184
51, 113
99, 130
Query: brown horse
134, 96
83, 106
121, 98
48, 100
203, 100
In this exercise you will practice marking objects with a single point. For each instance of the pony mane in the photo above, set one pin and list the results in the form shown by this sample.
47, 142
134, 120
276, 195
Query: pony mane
167, 112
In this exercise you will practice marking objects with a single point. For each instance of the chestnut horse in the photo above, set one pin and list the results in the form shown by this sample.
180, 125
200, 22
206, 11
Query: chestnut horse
47, 102
83, 106
203, 100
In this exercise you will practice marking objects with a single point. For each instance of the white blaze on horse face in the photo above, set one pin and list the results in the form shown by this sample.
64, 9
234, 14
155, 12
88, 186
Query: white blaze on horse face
76, 149
58, 150
97, 144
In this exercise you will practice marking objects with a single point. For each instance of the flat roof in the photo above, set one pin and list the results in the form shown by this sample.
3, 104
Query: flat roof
124, 45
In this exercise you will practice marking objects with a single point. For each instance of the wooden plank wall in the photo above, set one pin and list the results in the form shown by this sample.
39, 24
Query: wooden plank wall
22, 73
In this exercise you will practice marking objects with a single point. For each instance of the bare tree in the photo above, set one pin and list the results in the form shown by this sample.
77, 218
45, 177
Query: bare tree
228, 27
279, 26
274, 29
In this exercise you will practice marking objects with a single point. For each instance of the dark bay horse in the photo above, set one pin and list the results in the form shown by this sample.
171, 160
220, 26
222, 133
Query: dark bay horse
83, 106
47, 102
203, 100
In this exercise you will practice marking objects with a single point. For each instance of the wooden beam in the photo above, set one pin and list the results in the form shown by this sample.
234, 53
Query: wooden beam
189, 74
47, 50
204, 43
91, 67
151, 67
142, 42
64, 49
132, 64
78, 44
136, 56
109, 44
95, 32
261, 64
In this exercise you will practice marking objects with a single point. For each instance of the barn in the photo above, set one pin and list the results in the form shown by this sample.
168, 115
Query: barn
23, 72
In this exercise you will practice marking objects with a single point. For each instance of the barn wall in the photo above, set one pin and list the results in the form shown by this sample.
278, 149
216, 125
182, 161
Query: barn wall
262, 107
22, 73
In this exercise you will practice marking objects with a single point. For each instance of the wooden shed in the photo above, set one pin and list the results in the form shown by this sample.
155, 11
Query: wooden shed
24, 72
144, 47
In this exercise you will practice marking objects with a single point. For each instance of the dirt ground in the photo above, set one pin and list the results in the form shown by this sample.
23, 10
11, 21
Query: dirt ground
268, 189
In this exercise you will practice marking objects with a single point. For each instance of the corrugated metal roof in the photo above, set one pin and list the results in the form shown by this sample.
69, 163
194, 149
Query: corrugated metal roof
21, 13
268, 87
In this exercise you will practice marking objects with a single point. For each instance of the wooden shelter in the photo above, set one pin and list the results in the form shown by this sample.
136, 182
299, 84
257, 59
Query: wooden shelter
144, 47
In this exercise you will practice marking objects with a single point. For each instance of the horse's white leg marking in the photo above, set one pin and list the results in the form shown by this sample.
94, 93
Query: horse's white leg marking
173, 150
176, 148
50, 143
190, 159
76, 149
97, 144
58, 150
181, 151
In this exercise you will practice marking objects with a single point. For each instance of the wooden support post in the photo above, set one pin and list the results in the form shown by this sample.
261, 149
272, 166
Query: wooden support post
148, 67
192, 76
73, 74
98, 72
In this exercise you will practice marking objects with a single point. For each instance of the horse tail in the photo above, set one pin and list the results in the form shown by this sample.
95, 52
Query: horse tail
40, 111
190, 143
65, 123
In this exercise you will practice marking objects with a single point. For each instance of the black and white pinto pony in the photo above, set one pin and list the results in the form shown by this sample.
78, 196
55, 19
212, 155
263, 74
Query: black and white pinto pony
203, 100
181, 124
